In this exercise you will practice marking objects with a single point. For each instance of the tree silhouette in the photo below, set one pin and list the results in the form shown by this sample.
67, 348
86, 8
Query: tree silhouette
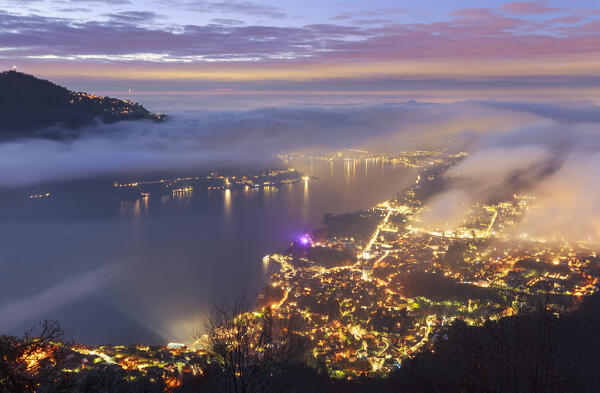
251, 351
33, 362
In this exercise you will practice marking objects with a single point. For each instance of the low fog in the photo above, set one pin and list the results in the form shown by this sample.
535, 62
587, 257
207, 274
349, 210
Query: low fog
550, 151
208, 140
556, 162
62, 293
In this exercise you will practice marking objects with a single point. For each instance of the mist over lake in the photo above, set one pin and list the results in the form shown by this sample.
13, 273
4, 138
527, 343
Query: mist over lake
144, 270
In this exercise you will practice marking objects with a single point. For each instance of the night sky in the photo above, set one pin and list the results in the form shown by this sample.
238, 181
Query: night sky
353, 46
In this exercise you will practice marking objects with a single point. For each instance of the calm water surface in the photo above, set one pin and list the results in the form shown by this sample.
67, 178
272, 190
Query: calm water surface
114, 271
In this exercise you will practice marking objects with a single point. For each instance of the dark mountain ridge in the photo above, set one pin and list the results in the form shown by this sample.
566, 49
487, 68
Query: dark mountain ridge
28, 103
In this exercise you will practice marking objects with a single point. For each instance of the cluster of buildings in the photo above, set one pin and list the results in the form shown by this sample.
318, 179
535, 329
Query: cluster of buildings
213, 181
168, 363
115, 108
368, 303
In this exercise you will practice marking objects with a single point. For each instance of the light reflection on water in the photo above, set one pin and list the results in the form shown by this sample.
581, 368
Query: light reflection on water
175, 254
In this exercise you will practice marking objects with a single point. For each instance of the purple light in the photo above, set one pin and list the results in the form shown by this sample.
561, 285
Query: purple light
305, 240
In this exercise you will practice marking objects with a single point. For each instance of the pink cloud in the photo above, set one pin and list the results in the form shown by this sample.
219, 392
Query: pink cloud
470, 33
527, 8
567, 20
473, 13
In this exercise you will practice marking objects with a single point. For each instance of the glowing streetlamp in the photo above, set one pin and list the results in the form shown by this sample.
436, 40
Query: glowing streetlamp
305, 240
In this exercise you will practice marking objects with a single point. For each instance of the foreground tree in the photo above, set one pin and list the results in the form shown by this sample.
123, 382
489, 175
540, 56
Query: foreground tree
251, 350
33, 362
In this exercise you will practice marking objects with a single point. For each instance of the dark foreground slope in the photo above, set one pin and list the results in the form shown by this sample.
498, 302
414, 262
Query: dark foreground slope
535, 352
28, 103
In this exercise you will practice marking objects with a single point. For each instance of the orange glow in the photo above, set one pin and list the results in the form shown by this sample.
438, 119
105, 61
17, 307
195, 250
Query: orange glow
33, 359
460, 69
172, 383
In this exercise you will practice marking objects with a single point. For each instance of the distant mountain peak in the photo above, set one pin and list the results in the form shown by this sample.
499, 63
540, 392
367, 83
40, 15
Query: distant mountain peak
28, 103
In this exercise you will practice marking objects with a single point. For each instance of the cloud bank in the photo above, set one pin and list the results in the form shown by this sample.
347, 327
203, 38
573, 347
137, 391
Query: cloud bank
549, 150
556, 161
140, 42
203, 140
472, 32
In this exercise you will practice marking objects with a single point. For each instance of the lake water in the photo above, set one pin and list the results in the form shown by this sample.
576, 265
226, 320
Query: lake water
113, 271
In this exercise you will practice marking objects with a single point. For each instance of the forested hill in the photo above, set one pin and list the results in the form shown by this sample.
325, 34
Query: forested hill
28, 103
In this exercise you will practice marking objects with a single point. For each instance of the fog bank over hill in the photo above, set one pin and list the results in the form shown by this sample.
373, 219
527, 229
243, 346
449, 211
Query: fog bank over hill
550, 150
202, 139
556, 162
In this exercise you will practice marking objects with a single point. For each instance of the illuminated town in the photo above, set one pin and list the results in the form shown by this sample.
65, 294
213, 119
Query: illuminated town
375, 287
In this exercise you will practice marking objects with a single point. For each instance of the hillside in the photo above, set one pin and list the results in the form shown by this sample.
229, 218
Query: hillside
28, 103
